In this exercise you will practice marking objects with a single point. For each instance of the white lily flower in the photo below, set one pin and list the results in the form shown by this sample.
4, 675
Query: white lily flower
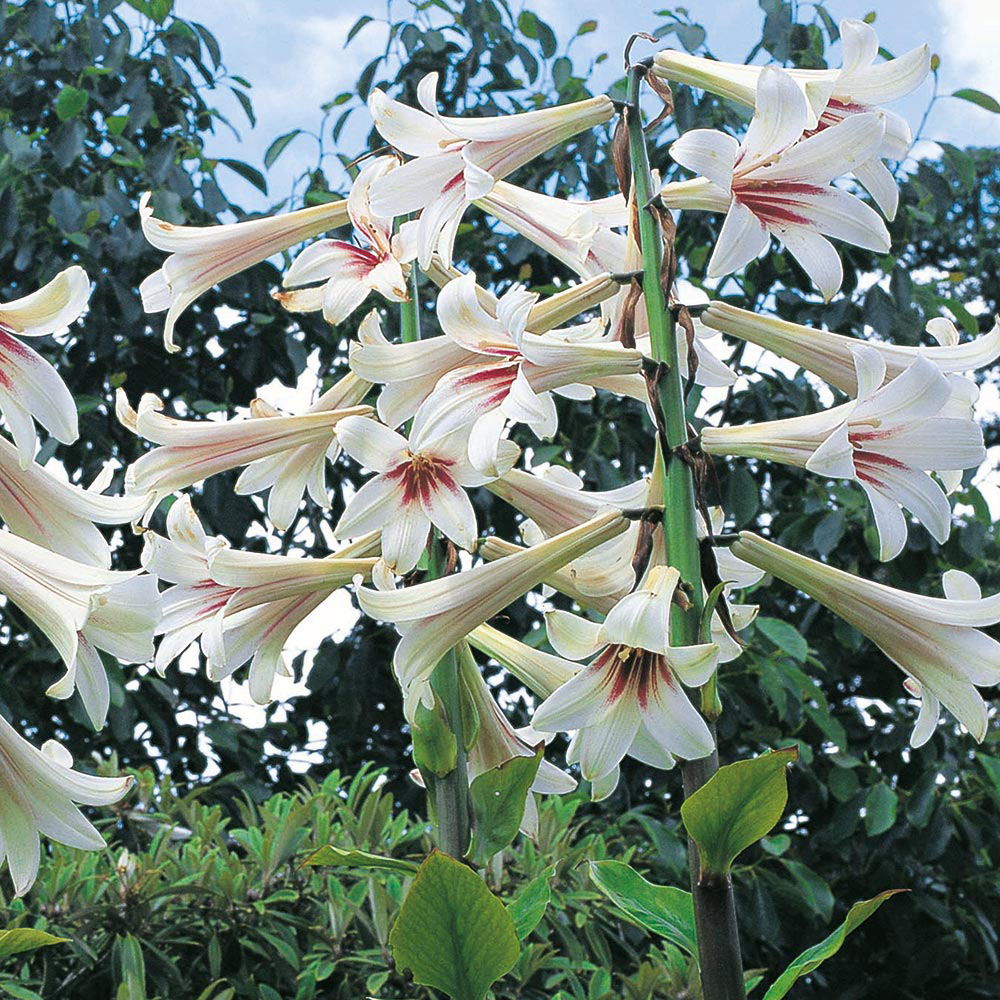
30, 388
775, 183
193, 450
580, 234
418, 484
123, 625
289, 474
181, 559
434, 616
459, 160
629, 699
37, 505
40, 791
58, 594
831, 355
933, 640
886, 439
350, 272
272, 595
203, 256
833, 95
516, 371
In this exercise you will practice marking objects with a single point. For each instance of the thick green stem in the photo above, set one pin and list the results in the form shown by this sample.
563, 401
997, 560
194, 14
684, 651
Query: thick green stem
715, 912
451, 792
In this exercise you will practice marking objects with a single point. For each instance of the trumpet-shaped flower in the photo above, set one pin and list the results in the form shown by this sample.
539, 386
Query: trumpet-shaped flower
40, 791
37, 505
191, 450
272, 595
418, 484
349, 272
434, 616
289, 474
58, 594
831, 355
458, 160
859, 87
30, 388
935, 641
886, 439
122, 625
515, 374
632, 688
203, 256
774, 183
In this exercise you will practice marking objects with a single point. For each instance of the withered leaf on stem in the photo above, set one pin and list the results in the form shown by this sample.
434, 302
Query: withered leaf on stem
662, 90
620, 158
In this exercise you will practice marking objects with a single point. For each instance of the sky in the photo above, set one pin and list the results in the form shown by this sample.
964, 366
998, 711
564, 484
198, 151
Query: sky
293, 53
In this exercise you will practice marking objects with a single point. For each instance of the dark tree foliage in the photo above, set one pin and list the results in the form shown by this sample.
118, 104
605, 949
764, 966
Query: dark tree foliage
865, 812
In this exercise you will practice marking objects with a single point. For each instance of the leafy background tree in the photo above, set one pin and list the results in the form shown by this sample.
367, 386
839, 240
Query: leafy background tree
93, 112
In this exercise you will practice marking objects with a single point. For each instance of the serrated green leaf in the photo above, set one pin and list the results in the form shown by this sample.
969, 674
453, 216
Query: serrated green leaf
21, 939
452, 933
819, 953
973, 96
330, 855
737, 806
70, 102
498, 797
662, 909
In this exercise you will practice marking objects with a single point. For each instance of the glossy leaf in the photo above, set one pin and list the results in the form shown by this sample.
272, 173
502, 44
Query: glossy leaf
528, 907
452, 933
737, 806
331, 855
21, 939
498, 798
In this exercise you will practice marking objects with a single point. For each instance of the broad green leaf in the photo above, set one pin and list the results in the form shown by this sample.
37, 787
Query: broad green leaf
250, 174
20, 939
819, 953
662, 909
737, 806
973, 96
528, 907
280, 145
880, 809
330, 855
785, 636
452, 933
70, 102
498, 797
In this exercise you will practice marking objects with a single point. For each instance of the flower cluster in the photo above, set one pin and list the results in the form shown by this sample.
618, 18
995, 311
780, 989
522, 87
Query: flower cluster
432, 420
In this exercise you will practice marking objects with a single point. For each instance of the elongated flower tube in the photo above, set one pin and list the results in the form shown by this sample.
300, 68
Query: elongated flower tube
203, 256
434, 616
417, 484
516, 371
122, 625
933, 640
37, 505
460, 159
632, 687
885, 439
272, 595
774, 183
580, 234
554, 500
831, 355
860, 86
56, 593
289, 474
30, 388
193, 450
40, 791
350, 272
